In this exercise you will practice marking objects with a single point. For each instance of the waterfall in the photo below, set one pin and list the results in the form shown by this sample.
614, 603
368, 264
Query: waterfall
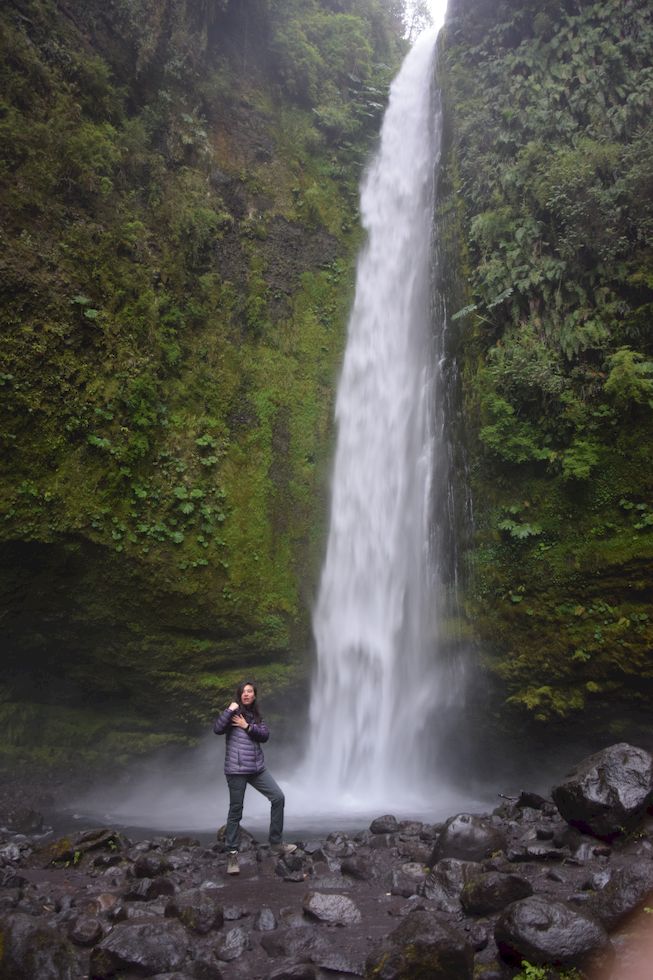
379, 682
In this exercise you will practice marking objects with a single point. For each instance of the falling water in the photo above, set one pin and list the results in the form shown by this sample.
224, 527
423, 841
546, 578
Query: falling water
378, 681
388, 673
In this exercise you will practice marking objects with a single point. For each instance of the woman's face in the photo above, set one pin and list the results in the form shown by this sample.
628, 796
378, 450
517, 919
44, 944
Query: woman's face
248, 695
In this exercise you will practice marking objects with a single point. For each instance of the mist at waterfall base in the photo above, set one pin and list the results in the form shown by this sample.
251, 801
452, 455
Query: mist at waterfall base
389, 679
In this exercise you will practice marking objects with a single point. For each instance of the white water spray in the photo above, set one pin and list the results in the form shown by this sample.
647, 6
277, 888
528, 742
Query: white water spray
376, 619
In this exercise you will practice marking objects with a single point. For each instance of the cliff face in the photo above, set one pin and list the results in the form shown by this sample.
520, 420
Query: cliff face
547, 215
177, 195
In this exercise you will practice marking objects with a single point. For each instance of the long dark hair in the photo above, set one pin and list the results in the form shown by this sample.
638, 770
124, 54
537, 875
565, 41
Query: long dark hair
253, 707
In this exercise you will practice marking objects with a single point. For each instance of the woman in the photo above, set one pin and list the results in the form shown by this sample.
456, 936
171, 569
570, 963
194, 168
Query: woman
241, 722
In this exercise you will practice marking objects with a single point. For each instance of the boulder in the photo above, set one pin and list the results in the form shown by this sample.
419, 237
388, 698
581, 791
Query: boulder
411, 828
624, 892
146, 889
198, 909
150, 865
422, 946
235, 942
487, 893
336, 910
29, 948
356, 867
155, 946
468, 837
532, 801
607, 794
339, 845
265, 920
86, 930
387, 824
102, 838
296, 943
294, 971
543, 931
400, 883
339, 961
444, 885
9, 878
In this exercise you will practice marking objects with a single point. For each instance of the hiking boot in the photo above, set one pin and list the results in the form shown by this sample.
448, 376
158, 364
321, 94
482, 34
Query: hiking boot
232, 863
283, 848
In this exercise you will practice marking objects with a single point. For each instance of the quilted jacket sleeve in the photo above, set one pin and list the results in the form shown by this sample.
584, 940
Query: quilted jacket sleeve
223, 721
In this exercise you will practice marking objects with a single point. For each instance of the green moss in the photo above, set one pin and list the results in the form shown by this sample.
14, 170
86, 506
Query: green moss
180, 233
554, 364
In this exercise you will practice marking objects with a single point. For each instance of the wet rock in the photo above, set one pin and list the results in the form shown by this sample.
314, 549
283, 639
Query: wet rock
151, 865
264, 920
298, 943
491, 971
179, 860
532, 800
339, 845
198, 909
294, 971
624, 892
543, 931
411, 828
9, 878
333, 881
356, 867
468, 837
444, 884
387, 824
406, 880
314, 850
9, 854
290, 916
155, 946
205, 967
336, 910
74, 849
488, 893
403, 884
422, 946
31, 949
415, 850
477, 936
236, 941
536, 851
9, 898
107, 860
232, 913
607, 794
86, 930
597, 880
339, 961
173, 976
147, 889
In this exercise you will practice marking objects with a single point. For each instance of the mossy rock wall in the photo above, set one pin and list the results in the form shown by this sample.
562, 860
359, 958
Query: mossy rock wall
178, 191
546, 212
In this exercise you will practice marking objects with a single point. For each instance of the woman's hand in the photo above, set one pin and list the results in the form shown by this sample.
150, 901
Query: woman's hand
234, 706
239, 721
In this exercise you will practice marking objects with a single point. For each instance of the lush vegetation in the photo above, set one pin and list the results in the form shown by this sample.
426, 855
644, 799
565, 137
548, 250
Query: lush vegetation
547, 212
177, 198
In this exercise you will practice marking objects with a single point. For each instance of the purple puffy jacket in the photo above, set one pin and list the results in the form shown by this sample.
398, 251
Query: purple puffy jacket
243, 755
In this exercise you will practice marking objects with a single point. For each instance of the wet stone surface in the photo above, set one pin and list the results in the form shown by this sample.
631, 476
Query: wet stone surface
469, 897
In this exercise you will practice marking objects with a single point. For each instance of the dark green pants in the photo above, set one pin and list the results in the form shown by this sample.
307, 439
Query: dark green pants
265, 784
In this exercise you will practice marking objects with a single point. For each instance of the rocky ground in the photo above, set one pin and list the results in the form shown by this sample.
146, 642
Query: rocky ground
560, 883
